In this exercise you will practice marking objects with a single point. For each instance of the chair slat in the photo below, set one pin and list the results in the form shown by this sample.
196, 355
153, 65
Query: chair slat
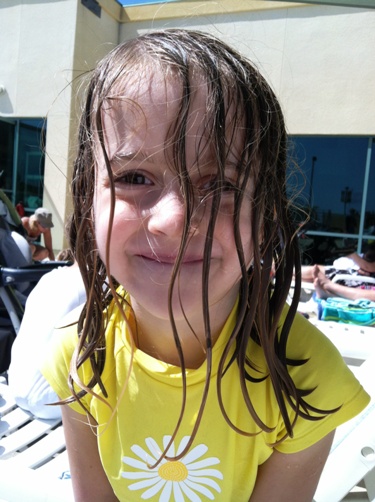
25, 436
13, 420
56, 467
40, 452
7, 403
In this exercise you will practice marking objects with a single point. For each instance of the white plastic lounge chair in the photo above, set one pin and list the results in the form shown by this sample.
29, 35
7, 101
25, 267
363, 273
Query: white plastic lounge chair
355, 343
33, 459
352, 457
346, 277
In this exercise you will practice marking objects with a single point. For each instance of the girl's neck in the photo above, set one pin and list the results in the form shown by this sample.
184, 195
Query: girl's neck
155, 336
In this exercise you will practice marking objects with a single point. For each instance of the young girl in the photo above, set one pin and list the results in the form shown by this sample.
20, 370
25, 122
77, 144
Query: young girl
188, 378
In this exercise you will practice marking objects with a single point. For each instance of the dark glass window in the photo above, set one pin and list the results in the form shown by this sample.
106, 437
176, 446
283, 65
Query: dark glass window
369, 216
22, 155
332, 186
6, 157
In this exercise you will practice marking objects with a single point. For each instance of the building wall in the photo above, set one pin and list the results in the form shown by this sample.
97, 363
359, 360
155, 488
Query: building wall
93, 38
45, 45
319, 59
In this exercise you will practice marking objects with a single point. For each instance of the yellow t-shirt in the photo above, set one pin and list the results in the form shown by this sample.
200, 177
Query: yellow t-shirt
221, 464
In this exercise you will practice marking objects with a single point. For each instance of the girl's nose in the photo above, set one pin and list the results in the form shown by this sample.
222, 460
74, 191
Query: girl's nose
167, 216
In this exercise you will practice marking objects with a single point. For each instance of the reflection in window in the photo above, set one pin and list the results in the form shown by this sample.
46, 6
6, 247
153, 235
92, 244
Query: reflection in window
332, 189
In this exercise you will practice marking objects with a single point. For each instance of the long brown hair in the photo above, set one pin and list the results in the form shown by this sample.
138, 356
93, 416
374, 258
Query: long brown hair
232, 82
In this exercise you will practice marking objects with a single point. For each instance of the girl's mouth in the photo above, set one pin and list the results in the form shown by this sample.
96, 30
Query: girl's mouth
171, 260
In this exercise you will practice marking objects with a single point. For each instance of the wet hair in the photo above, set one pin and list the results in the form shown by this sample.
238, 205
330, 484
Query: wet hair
239, 103
65, 254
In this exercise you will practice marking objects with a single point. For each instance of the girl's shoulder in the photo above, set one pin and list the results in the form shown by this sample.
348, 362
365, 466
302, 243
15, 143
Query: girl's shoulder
304, 342
25, 220
313, 362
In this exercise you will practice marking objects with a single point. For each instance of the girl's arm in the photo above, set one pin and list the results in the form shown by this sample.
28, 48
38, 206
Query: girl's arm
90, 483
292, 477
48, 243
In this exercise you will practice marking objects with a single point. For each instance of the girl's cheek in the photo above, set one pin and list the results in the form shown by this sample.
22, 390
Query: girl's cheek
101, 240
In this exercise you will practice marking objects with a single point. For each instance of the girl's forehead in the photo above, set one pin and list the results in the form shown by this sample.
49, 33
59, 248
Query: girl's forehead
143, 113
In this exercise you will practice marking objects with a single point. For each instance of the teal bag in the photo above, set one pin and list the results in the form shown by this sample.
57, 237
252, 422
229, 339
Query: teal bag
360, 312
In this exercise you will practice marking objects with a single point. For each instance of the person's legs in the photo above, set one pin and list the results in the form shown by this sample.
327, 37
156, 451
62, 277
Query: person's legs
39, 253
320, 282
325, 288
307, 272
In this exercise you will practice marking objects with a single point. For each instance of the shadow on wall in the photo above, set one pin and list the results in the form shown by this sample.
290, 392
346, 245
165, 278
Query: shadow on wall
6, 107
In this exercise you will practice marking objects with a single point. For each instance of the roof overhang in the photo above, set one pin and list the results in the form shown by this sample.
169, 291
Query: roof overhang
190, 8
367, 4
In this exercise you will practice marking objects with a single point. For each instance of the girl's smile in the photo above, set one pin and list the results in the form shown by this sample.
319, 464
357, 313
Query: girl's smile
171, 260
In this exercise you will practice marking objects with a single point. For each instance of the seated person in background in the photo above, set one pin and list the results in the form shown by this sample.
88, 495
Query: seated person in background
325, 288
56, 294
351, 264
40, 223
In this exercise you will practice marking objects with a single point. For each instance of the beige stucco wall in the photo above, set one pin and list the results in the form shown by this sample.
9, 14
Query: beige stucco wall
44, 46
319, 59
94, 37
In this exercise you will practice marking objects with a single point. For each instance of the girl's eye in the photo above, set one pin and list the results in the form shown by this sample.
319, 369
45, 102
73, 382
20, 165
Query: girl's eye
229, 186
133, 178
213, 184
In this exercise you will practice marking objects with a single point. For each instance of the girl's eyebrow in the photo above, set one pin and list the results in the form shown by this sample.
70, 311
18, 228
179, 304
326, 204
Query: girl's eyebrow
230, 167
134, 155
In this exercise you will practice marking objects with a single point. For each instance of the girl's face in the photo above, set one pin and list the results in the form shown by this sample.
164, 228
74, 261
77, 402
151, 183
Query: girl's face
149, 211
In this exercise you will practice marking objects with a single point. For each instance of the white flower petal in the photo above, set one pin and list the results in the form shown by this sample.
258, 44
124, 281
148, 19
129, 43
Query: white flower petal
145, 483
153, 490
206, 462
193, 497
206, 472
178, 495
153, 447
166, 493
133, 462
203, 481
195, 453
183, 443
139, 475
201, 489
143, 454
170, 451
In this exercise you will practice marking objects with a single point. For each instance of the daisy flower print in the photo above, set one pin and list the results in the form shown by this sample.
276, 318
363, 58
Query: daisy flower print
173, 481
